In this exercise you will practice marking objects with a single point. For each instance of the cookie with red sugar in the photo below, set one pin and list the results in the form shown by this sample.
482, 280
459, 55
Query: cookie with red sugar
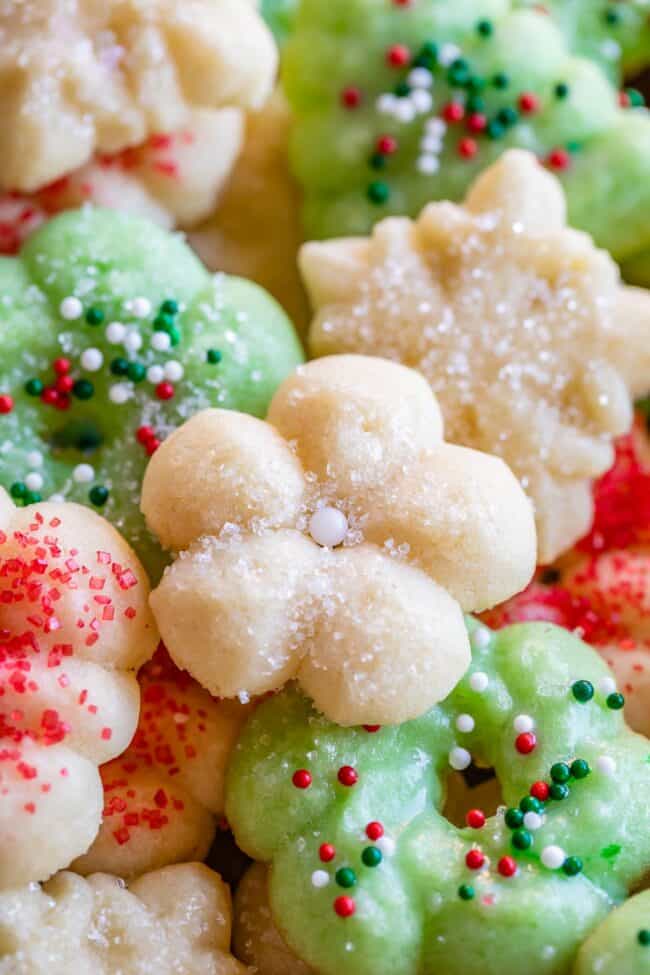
601, 589
74, 626
163, 796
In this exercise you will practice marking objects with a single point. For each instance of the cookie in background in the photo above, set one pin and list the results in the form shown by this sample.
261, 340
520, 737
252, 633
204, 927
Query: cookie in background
138, 106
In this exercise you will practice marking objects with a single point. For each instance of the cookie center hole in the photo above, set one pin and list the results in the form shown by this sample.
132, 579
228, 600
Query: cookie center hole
474, 788
82, 435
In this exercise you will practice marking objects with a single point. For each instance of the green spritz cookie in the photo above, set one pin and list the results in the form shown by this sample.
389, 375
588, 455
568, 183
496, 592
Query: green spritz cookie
621, 944
368, 877
112, 334
615, 33
400, 103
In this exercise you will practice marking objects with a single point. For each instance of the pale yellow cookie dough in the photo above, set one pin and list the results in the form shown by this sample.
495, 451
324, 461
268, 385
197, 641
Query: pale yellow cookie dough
74, 608
175, 921
520, 325
256, 231
337, 543
256, 939
82, 78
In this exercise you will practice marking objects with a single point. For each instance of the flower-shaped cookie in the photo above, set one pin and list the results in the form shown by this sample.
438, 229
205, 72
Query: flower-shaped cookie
337, 543
77, 77
163, 795
174, 921
74, 626
520, 325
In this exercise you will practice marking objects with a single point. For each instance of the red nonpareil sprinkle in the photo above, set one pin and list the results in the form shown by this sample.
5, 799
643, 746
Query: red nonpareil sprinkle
386, 145
374, 830
49, 396
326, 852
528, 103
62, 366
347, 775
559, 159
475, 859
344, 906
507, 867
475, 819
453, 112
144, 434
301, 778
6, 403
398, 55
165, 390
526, 742
477, 122
467, 148
152, 446
540, 790
107, 734
351, 97
64, 384
371, 728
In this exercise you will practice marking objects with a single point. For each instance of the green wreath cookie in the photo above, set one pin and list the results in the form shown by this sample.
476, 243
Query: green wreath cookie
112, 334
399, 103
369, 878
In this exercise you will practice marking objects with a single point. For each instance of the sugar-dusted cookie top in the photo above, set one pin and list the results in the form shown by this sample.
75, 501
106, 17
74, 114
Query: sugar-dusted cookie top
174, 921
74, 626
529, 341
77, 76
338, 542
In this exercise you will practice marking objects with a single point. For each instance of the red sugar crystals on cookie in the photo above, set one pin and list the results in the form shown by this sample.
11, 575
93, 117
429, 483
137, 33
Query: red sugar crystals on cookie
74, 624
163, 796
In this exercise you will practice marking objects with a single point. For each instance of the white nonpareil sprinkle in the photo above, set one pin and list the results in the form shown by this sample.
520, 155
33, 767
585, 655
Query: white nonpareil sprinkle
435, 127
92, 360
523, 723
115, 333
428, 164
320, 878
160, 341
607, 685
83, 473
459, 758
465, 723
553, 857
155, 374
606, 765
71, 308
481, 637
532, 820
174, 371
479, 681
420, 78
422, 100
35, 458
448, 54
404, 110
386, 844
133, 341
139, 307
328, 527
119, 393
56, 498
34, 481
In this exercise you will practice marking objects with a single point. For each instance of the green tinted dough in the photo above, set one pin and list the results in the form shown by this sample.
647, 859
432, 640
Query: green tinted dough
410, 918
106, 258
621, 944
615, 33
343, 44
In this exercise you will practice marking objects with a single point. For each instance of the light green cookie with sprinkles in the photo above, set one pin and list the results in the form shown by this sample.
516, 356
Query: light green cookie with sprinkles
615, 33
621, 944
112, 334
367, 875
397, 104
